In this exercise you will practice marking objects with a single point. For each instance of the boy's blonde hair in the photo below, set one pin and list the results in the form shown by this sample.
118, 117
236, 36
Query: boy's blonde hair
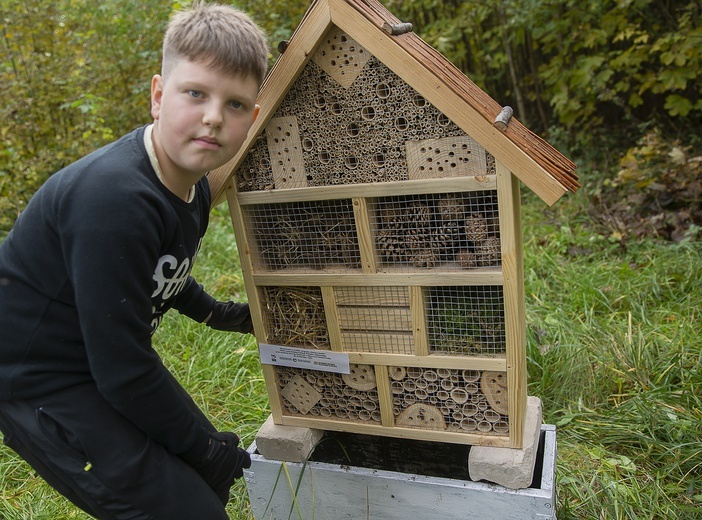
220, 36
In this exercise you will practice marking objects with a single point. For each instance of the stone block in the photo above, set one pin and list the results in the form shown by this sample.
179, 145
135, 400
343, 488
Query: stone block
509, 467
286, 443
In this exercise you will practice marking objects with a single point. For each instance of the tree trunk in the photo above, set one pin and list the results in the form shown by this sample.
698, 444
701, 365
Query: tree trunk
521, 108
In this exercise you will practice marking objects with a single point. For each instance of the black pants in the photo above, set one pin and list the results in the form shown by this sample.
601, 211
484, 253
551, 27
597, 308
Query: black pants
101, 462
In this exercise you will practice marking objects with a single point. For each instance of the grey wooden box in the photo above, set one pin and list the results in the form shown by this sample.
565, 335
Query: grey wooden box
318, 490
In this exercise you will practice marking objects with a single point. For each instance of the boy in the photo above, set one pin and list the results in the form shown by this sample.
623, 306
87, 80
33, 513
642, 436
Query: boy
101, 252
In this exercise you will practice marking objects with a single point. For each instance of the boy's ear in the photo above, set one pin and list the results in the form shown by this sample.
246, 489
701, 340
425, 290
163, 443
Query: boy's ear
257, 108
156, 95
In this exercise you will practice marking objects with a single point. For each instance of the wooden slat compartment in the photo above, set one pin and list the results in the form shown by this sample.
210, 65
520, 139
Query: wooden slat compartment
374, 319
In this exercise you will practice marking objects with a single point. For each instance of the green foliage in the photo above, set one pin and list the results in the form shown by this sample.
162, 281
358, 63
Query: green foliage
597, 68
82, 80
278, 23
633, 60
657, 191
79, 82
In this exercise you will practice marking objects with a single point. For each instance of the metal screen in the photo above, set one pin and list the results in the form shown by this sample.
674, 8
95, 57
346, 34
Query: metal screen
465, 320
449, 231
317, 235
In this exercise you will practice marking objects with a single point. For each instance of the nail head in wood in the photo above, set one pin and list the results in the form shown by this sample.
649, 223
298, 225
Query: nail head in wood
502, 119
396, 29
282, 46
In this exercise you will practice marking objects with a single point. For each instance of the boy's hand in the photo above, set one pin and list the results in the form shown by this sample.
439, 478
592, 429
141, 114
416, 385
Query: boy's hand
231, 317
224, 463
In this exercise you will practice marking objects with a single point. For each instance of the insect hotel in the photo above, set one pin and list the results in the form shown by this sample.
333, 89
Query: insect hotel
377, 213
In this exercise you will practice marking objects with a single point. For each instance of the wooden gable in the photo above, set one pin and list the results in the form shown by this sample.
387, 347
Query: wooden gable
535, 162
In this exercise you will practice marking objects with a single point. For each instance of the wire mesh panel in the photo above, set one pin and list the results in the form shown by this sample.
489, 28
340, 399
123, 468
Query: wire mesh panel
317, 235
449, 231
442, 399
295, 317
349, 119
350, 397
469, 321
375, 319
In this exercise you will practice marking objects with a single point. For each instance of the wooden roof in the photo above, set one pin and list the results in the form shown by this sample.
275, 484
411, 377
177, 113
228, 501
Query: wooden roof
542, 168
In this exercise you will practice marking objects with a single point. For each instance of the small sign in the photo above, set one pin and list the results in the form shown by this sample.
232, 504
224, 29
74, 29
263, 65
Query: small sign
324, 360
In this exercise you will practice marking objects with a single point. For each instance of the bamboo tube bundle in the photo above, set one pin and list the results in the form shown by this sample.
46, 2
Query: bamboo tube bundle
255, 172
446, 399
314, 393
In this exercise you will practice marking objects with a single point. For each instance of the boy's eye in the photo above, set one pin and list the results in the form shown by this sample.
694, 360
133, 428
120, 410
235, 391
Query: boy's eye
235, 104
194, 93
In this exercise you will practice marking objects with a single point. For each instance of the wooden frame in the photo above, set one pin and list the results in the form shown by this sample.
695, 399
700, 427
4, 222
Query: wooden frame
402, 344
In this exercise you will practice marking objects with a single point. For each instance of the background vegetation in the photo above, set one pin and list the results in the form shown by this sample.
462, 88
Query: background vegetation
612, 272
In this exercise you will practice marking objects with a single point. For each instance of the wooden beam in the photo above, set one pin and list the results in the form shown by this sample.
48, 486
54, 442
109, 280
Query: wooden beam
369, 428
370, 190
418, 277
513, 290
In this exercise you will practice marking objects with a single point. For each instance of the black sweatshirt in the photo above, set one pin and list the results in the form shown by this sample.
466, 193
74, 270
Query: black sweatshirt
102, 250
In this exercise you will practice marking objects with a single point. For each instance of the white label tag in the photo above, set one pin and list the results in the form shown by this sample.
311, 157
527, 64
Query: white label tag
324, 360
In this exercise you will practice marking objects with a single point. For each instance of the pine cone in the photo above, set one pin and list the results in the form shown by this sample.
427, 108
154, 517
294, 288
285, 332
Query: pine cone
424, 258
488, 252
450, 208
466, 259
418, 214
445, 238
476, 227
393, 214
391, 245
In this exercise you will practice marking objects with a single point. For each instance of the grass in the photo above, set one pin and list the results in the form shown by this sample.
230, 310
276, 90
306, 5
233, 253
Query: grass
614, 354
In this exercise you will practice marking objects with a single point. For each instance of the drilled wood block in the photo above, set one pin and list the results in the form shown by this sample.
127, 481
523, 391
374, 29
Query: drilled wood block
361, 377
341, 57
424, 416
446, 157
283, 136
494, 386
301, 394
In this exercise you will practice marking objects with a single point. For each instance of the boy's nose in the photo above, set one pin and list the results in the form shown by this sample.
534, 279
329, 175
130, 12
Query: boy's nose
212, 116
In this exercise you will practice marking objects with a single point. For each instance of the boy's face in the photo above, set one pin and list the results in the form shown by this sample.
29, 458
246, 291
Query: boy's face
201, 118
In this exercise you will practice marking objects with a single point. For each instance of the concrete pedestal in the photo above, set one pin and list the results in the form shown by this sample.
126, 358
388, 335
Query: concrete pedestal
332, 491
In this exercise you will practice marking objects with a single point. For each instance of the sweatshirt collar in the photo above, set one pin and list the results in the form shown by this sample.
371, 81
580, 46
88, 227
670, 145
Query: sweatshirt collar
151, 152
